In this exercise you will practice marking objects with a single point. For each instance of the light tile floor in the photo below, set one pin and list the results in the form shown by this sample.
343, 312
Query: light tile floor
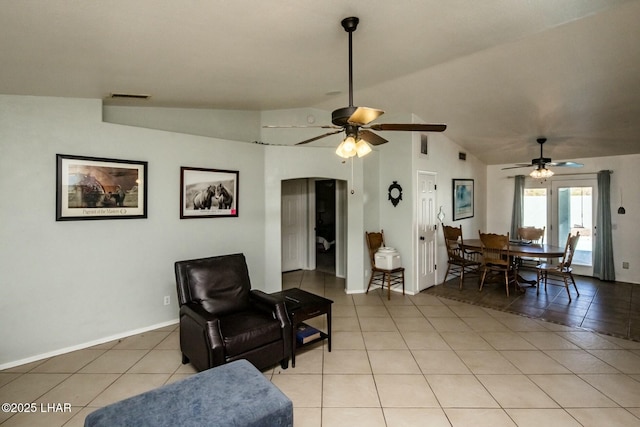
411, 361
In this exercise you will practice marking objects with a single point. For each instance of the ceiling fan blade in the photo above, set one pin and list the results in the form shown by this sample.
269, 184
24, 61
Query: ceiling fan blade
301, 127
364, 115
413, 127
306, 141
519, 165
371, 137
566, 164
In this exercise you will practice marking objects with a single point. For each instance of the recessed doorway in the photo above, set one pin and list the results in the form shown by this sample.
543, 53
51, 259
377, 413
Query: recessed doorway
326, 226
313, 225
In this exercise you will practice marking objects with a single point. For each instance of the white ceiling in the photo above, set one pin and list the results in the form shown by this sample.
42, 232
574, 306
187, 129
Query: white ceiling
499, 73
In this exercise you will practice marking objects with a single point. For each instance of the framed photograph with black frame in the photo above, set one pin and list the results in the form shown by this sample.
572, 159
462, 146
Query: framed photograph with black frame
208, 193
462, 198
100, 188
424, 144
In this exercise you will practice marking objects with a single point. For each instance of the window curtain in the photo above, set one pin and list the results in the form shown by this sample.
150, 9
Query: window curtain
518, 206
603, 266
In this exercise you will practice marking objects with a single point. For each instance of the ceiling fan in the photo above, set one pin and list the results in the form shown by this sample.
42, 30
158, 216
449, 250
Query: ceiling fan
542, 162
354, 120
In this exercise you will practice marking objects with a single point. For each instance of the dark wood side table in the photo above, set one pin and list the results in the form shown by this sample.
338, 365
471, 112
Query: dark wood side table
303, 305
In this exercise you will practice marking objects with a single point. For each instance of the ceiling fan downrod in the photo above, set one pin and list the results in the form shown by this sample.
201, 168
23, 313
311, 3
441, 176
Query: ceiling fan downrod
541, 141
542, 160
350, 24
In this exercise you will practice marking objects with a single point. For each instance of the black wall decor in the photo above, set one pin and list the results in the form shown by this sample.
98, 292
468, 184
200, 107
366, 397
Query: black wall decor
395, 193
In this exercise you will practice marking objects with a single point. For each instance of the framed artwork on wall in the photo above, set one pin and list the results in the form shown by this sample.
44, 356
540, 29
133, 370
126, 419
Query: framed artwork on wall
462, 198
208, 193
424, 144
100, 188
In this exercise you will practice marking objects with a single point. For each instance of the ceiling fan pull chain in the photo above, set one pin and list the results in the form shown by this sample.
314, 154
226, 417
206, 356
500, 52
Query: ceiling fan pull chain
352, 190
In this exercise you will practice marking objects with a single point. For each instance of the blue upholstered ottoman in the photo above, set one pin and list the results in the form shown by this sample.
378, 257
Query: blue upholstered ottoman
234, 394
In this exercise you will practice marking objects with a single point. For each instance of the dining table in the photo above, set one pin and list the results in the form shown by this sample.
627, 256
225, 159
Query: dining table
518, 248
522, 249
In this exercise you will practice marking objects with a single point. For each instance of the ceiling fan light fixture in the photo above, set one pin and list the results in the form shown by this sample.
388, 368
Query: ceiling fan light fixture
363, 148
347, 147
340, 151
541, 173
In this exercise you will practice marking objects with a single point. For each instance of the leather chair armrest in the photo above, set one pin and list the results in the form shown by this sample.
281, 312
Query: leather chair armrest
197, 313
200, 322
271, 304
277, 308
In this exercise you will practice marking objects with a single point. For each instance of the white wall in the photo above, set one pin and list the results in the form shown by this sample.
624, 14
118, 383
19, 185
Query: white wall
66, 284
396, 221
371, 203
443, 160
400, 160
283, 163
224, 124
626, 233
396, 161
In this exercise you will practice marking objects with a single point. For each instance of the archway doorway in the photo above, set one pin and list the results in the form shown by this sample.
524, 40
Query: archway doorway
313, 225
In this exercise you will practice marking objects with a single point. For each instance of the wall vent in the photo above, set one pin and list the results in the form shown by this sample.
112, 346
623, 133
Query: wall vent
120, 95
462, 156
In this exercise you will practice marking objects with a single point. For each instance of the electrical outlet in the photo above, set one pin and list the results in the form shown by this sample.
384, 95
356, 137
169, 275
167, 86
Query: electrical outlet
167, 300
625, 265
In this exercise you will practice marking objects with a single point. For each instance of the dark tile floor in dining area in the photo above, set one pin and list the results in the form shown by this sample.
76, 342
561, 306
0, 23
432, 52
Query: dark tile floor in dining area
611, 308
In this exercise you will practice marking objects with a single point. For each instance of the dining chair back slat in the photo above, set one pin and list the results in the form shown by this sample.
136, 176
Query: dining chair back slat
531, 235
496, 257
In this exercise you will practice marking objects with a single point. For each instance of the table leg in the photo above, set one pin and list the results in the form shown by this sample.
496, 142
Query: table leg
329, 327
294, 326
519, 278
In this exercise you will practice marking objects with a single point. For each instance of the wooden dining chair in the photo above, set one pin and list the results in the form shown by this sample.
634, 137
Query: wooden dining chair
496, 258
380, 276
563, 269
460, 260
532, 235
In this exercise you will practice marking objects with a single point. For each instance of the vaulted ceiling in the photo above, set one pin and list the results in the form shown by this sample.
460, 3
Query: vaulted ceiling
499, 73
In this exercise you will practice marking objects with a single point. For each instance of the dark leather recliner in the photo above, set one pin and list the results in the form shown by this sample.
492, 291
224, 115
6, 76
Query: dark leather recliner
222, 319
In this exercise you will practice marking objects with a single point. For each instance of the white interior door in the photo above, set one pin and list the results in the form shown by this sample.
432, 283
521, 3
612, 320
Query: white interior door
293, 224
426, 232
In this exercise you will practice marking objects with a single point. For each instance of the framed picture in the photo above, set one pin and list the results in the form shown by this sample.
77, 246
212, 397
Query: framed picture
208, 193
462, 198
98, 188
424, 144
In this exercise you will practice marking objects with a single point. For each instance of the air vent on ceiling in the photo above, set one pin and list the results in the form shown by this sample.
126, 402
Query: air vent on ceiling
117, 95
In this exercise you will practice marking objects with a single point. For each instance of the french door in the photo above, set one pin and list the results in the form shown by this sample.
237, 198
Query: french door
573, 209
563, 207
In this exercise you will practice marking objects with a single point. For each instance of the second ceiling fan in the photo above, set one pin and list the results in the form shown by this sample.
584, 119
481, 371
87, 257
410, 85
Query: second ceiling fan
355, 121
542, 162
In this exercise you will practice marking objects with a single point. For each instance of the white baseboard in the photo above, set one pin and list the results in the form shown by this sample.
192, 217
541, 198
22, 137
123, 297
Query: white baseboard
86, 344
